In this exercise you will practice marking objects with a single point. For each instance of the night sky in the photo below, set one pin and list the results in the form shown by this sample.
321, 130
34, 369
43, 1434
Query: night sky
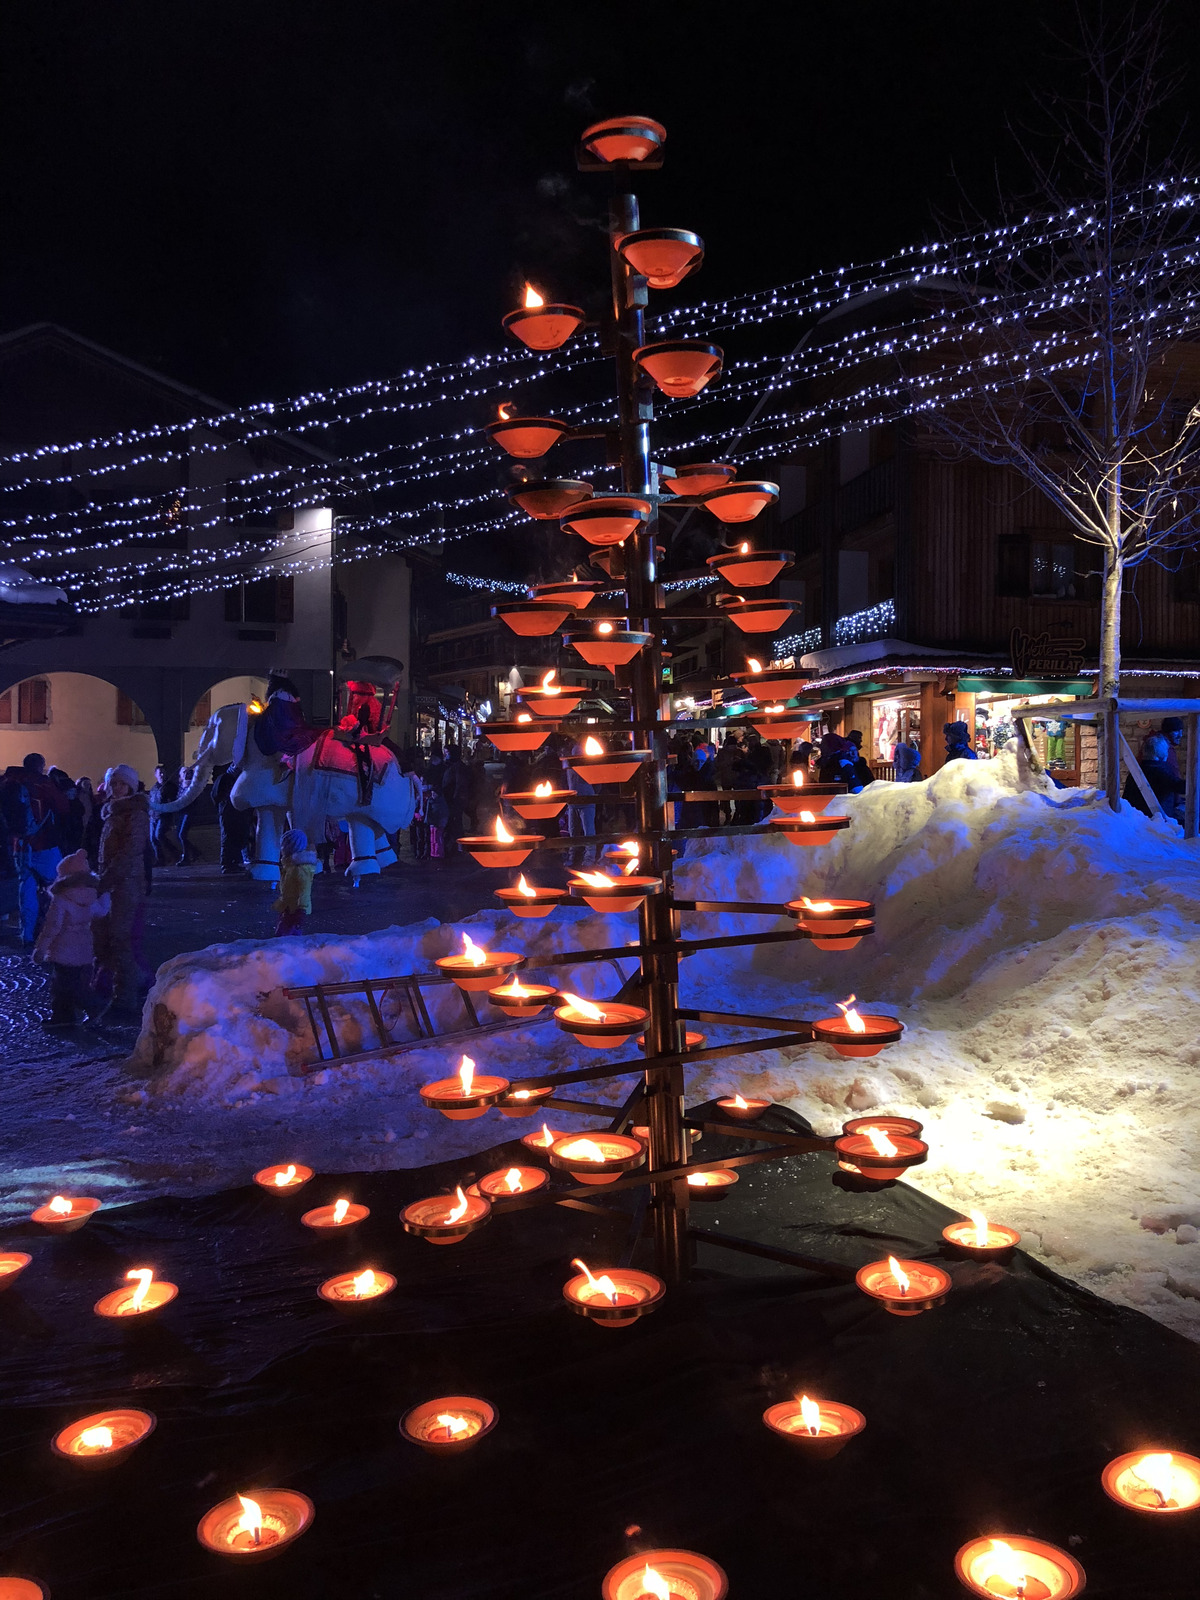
259, 196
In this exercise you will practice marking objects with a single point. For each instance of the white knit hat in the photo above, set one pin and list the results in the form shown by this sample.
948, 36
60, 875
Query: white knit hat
126, 775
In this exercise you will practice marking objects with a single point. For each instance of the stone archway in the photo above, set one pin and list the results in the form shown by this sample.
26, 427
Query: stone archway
79, 722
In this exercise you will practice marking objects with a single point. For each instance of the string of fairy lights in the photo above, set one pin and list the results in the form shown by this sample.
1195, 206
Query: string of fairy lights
948, 336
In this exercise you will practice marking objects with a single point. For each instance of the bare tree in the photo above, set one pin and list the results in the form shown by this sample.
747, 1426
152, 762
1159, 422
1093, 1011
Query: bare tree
1091, 388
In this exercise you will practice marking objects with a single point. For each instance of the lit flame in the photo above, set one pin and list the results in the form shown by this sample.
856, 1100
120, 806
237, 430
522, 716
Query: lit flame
755, 666
603, 1285
502, 834
97, 1438
512, 1180
505, 411
797, 778
282, 1179
1157, 1473
250, 1520
744, 550
585, 1008
547, 1138
816, 905
883, 1146
454, 1426
583, 1150
61, 1207
544, 789
853, 1021
634, 851
466, 1074
145, 1277
340, 1208
515, 990
256, 708
807, 816
364, 1283
811, 1412
981, 1229
898, 1272
1006, 1565
459, 1211
594, 880
654, 1583
523, 887
548, 687
592, 747
773, 711
532, 298
472, 952
604, 627
524, 716
739, 1104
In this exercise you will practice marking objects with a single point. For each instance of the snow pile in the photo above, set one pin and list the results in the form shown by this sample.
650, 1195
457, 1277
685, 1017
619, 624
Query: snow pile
1041, 950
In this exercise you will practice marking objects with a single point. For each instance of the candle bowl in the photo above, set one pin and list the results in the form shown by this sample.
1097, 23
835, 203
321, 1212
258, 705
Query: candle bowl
494, 1186
531, 619
618, 894
266, 1177
535, 999
523, 1102
606, 519
699, 477
833, 924
691, 1041
623, 139
1121, 1482
792, 798
446, 1095
286, 1514
757, 616
420, 1425
808, 831
908, 1125
1001, 1241
619, 1153
537, 1142
518, 735
928, 1286
428, 1219
1051, 1573
340, 1290
712, 1185
637, 1294
608, 1032
538, 904
547, 498
742, 501
538, 807
14, 1588
119, 1303
860, 1152
543, 327
750, 569
527, 438
615, 767
83, 1207
848, 1041
680, 367
475, 977
12, 1265
321, 1219
837, 1426
750, 1111
779, 722
615, 648
127, 1427
688, 1576
489, 851
772, 684
577, 594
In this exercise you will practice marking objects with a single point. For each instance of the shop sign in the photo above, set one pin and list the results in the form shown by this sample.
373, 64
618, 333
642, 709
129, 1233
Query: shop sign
1040, 655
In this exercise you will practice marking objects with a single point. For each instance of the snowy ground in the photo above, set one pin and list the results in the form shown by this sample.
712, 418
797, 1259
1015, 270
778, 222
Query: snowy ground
1041, 951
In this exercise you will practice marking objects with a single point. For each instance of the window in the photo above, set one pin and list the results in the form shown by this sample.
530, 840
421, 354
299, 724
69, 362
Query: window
265, 602
31, 702
129, 713
176, 609
1046, 566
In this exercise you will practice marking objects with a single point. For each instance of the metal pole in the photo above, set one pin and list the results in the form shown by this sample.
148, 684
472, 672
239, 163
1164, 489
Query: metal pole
658, 924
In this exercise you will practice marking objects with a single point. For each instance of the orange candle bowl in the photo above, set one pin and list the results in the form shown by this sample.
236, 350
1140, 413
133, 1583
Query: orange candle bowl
773, 683
623, 139
551, 702
360, 1288
749, 1110
778, 722
531, 620
14, 1588
463, 1098
742, 501
847, 1041
326, 1219
543, 327
1048, 1572
927, 1287
618, 1153
615, 1024
622, 893
792, 798
908, 1125
522, 734
691, 1041
450, 1424
501, 849
686, 1574
606, 519
680, 368
833, 924
543, 1141
998, 1241
523, 1000
535, 807
752, 569
105, 1438
607, 646
663, 256
12, 1265
55, 1220
712, 1185
1170, 1484
861, 1155
578, 593
699, 477
527, 438
808, 829
285, 1515
148, 1295
756, 616
446, 1219
476, 976
608, 766
546, 499
836, 1424
614, 1297
531, 901
498, 1187
276, 1179
524, 1102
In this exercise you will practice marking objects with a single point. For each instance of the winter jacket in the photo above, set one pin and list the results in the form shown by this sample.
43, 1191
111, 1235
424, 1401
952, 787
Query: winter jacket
123, 846
66, 936
1168, 787
960, 751
32, 805
295, 883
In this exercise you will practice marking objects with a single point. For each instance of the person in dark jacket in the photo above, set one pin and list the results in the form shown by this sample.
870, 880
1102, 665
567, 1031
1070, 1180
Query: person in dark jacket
124, 844
1168, 786
837, 760
281, 730
34, 810
958, 742
862, 771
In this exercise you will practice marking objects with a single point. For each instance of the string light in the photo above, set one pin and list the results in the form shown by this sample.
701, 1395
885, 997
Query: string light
486, 585
797, 644
872, 623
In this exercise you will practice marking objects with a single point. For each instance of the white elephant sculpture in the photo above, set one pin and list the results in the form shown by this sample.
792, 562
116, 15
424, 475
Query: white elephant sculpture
305, 796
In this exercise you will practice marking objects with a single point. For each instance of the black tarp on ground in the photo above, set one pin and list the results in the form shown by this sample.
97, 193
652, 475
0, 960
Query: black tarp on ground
995, 1413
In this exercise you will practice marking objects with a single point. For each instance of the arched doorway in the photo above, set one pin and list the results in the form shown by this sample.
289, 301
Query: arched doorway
228, 692
78, 722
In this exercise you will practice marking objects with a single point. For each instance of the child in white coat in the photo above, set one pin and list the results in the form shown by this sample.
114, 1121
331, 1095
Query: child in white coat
65, 942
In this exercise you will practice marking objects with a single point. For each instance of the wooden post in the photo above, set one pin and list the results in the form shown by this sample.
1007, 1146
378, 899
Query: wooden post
1191, 798
933, 714
1139, 777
